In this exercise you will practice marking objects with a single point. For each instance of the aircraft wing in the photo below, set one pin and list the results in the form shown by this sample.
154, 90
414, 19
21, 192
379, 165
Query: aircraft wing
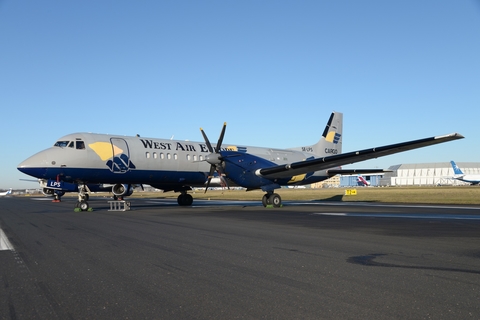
296, 168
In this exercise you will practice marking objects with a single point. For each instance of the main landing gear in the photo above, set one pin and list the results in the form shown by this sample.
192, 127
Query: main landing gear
185, 199
272, 199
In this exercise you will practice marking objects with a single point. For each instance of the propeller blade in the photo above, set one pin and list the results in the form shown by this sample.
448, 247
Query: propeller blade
210, 176
214, 158
209, 146
220, 139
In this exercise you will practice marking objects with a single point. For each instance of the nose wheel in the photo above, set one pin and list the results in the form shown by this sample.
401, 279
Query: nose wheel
82, 204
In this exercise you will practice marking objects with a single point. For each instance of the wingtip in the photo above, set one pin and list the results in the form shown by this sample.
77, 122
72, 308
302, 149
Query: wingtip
454, 135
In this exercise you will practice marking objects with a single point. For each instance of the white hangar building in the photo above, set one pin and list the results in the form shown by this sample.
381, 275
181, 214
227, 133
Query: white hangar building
427, 174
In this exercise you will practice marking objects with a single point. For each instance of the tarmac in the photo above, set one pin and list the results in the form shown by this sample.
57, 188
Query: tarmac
238, 260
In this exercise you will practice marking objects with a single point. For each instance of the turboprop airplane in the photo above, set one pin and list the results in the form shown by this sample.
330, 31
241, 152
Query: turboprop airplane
6, 193
173, 165
459, 175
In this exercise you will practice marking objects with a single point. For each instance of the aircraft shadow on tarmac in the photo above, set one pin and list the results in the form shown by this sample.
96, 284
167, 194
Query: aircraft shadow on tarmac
369, 260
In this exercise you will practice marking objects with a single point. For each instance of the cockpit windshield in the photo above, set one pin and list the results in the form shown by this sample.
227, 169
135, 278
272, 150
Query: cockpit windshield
70, 144
61, 144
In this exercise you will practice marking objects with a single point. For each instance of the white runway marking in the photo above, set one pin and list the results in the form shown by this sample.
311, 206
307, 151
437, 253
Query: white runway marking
386, 205
4, 243
401, 215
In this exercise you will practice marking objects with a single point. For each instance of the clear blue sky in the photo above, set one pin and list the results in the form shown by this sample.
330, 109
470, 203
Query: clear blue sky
274, 70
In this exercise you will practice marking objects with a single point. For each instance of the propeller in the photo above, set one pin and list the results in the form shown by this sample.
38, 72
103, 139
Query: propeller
214, 158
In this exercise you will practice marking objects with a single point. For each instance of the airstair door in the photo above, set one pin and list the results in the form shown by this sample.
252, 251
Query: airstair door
121, 156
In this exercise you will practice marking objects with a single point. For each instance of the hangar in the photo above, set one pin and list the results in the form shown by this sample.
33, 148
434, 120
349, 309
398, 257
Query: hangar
416, 174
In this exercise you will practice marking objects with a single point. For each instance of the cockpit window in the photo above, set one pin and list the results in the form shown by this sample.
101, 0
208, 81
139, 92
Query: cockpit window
71, 145
80, 145
61, 144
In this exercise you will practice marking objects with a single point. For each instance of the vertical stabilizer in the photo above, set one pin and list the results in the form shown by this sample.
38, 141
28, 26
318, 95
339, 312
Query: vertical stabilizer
362, 181
331, 141
456, 170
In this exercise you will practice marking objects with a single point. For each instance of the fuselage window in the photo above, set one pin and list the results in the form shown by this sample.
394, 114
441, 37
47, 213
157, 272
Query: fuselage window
169, 156
162, 156
61, 144
201, 158
188, 157
80, 145
147, 155
194, 157
154, 155
175, 156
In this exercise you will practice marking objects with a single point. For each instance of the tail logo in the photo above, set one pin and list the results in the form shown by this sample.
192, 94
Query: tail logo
333, 137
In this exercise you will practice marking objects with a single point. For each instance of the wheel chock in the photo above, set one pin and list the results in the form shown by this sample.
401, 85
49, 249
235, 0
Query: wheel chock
271, 206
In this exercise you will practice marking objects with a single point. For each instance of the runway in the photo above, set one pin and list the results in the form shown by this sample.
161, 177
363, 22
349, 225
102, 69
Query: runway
238, 260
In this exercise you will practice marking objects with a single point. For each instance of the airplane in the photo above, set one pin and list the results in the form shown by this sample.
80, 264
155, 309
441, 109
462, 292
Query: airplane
459, 175
6, 193
179, 166
362, 181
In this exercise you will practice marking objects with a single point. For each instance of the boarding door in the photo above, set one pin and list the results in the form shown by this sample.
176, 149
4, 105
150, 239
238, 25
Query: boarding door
121, 156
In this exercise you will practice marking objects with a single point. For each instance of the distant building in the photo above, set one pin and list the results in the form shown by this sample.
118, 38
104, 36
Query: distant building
329, 183
416, 174
427, 174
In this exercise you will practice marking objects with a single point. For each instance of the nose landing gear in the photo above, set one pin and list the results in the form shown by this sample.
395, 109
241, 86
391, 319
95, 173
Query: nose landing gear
82, 204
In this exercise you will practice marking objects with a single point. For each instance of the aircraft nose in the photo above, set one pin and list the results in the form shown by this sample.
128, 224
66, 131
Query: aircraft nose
36, 165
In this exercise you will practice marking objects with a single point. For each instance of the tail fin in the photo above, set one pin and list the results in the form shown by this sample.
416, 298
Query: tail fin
331, 141
456, 169
362, 181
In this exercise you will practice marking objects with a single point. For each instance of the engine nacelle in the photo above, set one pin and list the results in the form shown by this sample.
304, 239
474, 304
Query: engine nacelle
47, 192
122, 190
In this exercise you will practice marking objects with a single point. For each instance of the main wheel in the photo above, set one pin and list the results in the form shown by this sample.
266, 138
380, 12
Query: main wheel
188, 200
185, 199
275, 200
265, 201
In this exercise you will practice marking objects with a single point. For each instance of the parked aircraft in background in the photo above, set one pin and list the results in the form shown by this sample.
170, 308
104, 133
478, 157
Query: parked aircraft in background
459, 175
173, 165
362, 181
6, 193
